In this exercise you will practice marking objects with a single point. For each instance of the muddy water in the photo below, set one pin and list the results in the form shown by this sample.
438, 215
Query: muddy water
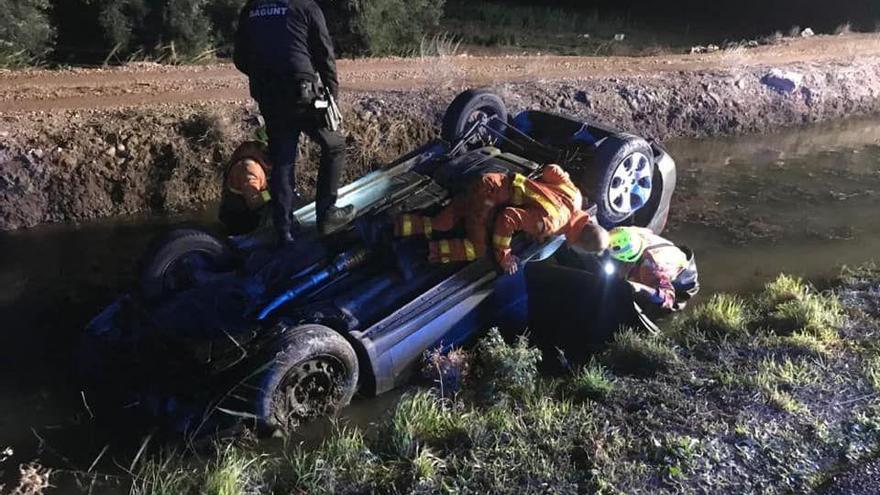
803, 201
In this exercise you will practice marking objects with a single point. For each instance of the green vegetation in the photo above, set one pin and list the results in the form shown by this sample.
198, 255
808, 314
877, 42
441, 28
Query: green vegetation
393, 27
170, 31
592, 382
722, 316
504, 371
792, 306
165, 474
746, 411
26, 35
190, 31
631, 353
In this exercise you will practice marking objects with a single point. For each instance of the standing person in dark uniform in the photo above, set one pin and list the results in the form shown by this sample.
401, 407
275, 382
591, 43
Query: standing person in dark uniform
283, 46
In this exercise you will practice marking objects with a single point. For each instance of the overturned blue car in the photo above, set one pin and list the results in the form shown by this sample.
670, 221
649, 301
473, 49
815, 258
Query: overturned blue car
223, 331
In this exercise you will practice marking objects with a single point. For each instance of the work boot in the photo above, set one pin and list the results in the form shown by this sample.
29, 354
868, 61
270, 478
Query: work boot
335, 218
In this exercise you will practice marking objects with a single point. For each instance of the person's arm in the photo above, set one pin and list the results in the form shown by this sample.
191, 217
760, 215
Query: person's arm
654, 285
321, 48
240, 55
554, 174
508, 222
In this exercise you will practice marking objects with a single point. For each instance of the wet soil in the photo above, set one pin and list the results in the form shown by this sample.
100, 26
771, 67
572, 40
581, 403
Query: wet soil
86, 144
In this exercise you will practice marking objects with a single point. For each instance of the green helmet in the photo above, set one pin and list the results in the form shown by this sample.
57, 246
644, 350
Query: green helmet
626, 245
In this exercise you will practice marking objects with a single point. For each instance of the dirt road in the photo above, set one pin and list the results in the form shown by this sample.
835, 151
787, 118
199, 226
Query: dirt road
153, 84
91, 143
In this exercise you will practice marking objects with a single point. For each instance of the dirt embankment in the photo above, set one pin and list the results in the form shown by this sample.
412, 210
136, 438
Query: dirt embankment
85, 144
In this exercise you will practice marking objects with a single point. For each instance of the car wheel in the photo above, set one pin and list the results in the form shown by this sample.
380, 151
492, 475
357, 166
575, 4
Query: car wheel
180, 261
313, 374
621, 179
468, 108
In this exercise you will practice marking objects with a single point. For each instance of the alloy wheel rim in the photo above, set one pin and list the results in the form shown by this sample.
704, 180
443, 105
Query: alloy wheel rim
631, 184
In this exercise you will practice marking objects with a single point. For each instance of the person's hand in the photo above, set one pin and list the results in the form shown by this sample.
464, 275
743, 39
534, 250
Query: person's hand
644, 292
510, 264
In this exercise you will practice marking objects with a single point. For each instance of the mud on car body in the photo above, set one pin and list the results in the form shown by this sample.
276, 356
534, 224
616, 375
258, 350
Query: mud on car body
222, 330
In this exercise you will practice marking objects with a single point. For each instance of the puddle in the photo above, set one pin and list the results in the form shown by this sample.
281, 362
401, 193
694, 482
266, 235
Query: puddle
802, 201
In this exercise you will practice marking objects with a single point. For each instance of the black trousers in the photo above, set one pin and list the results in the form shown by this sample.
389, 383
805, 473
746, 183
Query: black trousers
287, 116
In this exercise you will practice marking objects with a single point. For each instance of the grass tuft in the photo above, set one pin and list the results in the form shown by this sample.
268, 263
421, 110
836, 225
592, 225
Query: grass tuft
591, 382
843, 29
343, 463
816, 315
721, 317
784, 401
631, 353
420, 419
783, 289
792, 307
439, 45
426, 467
234, 471
165, 474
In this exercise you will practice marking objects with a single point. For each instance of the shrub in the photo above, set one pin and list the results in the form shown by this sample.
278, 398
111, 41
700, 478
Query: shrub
505, 370
26, 36
634, 354
390, 27
224, 19
170, 30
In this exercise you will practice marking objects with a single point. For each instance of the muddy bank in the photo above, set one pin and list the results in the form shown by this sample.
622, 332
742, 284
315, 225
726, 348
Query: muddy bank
74, 165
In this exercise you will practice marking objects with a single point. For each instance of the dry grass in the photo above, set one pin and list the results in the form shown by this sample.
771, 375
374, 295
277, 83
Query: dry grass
440, 45
843, 29
448, 371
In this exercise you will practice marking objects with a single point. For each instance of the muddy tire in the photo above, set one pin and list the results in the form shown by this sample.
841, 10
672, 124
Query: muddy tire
467, 109
314, 373
621, 179
174, 262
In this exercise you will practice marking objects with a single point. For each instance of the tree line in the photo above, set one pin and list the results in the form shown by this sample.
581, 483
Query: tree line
179, 31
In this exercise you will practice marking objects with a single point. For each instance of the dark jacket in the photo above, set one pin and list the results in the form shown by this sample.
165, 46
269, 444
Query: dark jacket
284, 39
